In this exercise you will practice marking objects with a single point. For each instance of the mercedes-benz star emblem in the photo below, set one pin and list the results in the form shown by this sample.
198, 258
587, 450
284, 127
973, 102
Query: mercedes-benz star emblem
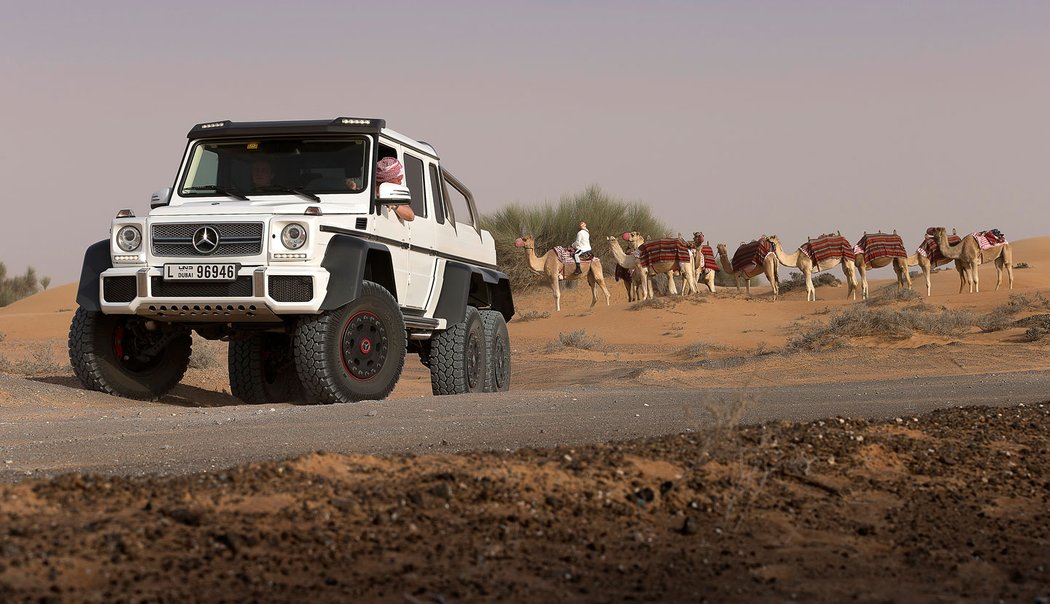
206, 240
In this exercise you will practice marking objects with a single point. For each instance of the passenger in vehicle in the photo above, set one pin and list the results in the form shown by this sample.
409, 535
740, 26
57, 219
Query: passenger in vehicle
390, 170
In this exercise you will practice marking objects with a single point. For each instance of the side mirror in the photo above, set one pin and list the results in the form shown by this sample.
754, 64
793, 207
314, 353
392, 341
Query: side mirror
391, 194
160, 198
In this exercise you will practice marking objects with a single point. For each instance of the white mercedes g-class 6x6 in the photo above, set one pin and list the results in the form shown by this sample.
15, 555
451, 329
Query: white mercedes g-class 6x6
276, 238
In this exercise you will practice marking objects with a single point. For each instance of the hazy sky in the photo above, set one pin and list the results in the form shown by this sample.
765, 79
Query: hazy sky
736, 118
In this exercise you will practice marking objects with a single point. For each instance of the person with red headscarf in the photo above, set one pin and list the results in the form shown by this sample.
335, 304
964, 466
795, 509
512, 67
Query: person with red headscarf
390, 170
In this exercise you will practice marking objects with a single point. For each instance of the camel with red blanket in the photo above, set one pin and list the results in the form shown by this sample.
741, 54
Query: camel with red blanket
750, 260
928, 256
876, 250
820, 254
975, 249
557, 268
665, 256
634, 275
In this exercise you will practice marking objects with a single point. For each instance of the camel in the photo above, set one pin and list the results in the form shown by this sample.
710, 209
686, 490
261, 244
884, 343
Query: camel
699, 271
968, 256
768, 266
551, 266
804, 263
926, 266
637, 284
656, 268
900, 267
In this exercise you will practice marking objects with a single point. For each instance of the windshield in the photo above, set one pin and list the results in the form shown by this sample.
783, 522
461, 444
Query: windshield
278, 166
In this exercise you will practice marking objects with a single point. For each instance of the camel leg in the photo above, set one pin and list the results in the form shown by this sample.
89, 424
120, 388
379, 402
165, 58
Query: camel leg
926, 270
557, 293
747, 284
601, 282
864, 280
811, 292
709, 278
672, 289
1008, 260
849, 270
594, 287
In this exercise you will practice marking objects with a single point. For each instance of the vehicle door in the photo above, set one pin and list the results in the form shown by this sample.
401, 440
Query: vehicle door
422, 232
391, 231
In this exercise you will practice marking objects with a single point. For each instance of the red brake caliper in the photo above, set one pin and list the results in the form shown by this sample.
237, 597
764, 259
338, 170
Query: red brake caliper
118, 342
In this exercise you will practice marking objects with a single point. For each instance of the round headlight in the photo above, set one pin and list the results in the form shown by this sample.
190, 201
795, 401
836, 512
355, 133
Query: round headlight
129, 238
293, 236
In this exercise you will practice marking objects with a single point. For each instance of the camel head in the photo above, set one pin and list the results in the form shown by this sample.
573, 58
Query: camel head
634, 237
525, 241
774, 241
937, 232
698, 238
722, 249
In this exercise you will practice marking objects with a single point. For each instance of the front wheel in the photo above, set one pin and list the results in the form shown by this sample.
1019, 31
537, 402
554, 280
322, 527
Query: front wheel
458, 363
497, 349
355, 352
127, 355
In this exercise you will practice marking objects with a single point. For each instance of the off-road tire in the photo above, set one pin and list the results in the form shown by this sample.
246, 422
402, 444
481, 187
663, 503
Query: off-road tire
497, 351
262, 369
355, 352
94, 341
458, 364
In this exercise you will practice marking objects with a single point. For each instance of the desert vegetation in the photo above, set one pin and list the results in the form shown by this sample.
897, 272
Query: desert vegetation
17, 287
555, 224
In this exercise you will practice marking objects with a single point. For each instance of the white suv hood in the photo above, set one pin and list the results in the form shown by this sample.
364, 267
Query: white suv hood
270, 206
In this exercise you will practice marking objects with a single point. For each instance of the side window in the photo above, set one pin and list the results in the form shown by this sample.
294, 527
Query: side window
414, 182
438, 199
457, 200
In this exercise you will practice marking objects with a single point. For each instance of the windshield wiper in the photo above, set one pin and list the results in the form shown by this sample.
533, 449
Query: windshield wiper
219, 190
287, 189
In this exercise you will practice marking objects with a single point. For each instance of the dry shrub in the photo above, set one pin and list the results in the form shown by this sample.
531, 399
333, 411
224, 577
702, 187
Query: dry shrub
576, 339
1033, 334
901, 323
3, 336
1002, 317
797, 280
891, 294
1022, 265
697, 350
661, 303
40, 362
202, 357
532, 315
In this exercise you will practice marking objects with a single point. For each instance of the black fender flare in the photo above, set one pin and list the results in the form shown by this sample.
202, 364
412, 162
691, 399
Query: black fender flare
350, 260
96, 261
464, 284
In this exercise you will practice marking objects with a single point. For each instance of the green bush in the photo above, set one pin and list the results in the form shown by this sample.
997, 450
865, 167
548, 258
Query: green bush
15, 288
557, 224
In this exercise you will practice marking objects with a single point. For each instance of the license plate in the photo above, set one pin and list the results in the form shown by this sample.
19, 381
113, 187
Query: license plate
200, 272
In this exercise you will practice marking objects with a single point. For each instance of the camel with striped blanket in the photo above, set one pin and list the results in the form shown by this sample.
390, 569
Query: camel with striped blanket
767, 265
552, 267
638, 286
888, 249
968, 256
804, 263
701, 270
665, 266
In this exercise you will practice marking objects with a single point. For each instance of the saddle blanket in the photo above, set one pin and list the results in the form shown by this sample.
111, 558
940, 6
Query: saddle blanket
880, 245
662, 250
929, 249
565, 254
990, 239
827, 247
750, 255
709, 258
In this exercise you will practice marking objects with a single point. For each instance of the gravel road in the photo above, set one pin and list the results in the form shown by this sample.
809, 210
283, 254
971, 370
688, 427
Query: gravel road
91, 432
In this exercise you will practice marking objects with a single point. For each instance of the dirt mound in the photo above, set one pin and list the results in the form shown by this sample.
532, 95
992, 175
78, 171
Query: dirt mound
949, 506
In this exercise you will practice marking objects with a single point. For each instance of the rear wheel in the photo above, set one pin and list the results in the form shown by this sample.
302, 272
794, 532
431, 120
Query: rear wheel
497, 349
458, 363
355, 352
127, 355
262, 369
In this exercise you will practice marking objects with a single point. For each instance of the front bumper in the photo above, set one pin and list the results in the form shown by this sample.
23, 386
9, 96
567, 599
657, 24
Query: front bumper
260, 293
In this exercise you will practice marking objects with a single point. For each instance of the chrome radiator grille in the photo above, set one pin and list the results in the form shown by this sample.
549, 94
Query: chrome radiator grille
235, 239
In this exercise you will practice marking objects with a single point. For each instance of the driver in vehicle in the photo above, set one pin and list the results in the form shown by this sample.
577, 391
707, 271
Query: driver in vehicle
262, 173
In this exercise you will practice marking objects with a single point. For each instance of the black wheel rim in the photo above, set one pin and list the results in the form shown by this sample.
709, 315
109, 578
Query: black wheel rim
473, 362
500, 364
363, 346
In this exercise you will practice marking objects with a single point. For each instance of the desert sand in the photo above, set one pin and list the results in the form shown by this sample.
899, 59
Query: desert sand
939, 507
